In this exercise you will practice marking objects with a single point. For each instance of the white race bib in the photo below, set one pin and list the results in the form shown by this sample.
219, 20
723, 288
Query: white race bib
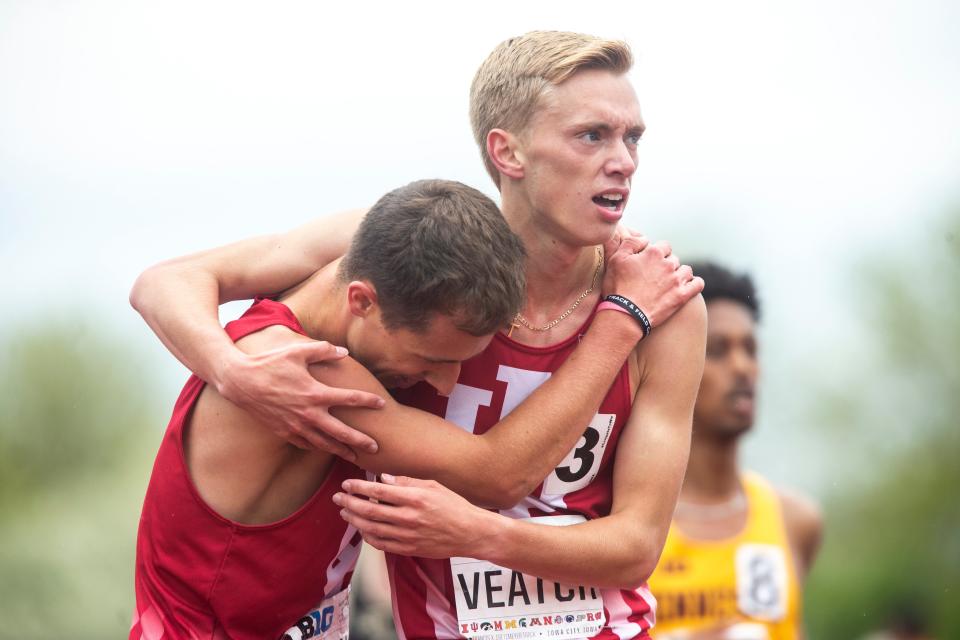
330, 620
496, 603
762, 581
582, 464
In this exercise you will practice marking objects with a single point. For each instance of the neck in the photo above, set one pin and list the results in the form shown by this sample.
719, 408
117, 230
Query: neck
319, 305
713, 474
557, 273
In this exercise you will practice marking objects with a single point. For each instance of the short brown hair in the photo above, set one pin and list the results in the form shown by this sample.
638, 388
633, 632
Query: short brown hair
508, 85
437, 246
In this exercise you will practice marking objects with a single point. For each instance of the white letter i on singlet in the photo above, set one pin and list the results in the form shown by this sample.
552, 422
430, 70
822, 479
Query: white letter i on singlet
465, 401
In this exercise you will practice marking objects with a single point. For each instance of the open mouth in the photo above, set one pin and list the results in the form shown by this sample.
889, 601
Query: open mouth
741, 400
611, 201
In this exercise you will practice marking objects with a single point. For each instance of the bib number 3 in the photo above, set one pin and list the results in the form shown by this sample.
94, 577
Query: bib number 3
581, 465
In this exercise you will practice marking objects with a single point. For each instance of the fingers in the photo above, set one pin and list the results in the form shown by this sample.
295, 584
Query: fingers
611, 246
346, 437
625, 240
300, 442
695, 285
689, 289
634, 244
318, 351
334, 397
390, 493
376, 511
663, 248
373, 527
392, 538
320, 442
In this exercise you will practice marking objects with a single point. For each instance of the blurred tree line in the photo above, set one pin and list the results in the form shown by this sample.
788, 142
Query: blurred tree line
78, 428
891, 557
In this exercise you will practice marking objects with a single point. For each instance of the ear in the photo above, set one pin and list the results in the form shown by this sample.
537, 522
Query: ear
504, 150
361, 298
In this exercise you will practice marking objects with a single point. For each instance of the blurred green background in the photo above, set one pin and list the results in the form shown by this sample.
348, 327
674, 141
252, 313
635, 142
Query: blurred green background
813, 143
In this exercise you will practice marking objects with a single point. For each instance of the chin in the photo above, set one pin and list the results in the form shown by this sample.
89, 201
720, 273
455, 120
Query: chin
738, 427
593, 234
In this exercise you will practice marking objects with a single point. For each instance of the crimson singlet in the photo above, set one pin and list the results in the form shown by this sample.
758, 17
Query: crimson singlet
199, 575
495, 604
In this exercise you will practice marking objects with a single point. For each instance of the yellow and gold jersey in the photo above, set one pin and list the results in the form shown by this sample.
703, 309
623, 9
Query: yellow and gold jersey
748, 580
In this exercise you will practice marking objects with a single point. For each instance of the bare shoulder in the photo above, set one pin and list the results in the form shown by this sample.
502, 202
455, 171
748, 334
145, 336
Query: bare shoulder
215, 414
688, 325
800, 510
346, 372
275, 336
683, 335
804, 522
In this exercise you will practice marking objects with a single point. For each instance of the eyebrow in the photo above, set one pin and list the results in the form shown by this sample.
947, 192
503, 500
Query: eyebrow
636, 130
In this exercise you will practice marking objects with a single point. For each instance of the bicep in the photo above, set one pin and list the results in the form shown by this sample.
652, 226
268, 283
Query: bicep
652, 454
410, 442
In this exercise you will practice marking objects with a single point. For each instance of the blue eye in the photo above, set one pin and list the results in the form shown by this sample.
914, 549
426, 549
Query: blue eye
591, 136
633, 139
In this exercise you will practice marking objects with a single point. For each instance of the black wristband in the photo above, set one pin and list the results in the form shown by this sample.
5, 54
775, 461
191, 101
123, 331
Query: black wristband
633, 310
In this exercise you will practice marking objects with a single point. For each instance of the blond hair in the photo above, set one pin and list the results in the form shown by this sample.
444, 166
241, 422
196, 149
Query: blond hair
509, 84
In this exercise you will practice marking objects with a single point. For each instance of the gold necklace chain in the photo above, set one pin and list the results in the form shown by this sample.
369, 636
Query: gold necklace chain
520, 321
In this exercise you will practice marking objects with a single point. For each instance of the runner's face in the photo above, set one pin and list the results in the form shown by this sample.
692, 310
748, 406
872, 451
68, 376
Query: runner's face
579, 153
726, 402
400, 358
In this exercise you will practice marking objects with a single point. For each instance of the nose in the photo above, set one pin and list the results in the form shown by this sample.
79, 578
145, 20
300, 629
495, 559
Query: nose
443, 377
744, 363
622, 160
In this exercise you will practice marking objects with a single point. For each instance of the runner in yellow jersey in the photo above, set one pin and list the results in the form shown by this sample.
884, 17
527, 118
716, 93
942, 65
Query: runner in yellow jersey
738, 550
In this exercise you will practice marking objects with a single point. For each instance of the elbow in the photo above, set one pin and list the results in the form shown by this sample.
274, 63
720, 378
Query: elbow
636, 576
638, 566
140, 292
514, 489
503, 485
504, 493
502, 499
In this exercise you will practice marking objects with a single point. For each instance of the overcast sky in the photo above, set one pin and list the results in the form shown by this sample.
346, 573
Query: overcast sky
783, 137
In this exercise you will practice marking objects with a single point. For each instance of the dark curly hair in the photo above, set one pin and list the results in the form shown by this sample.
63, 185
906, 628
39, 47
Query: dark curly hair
721, 283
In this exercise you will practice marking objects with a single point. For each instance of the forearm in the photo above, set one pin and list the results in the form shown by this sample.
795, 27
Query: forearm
413, 517
179, 298
500, 467
611, 552
525, 446
180, 303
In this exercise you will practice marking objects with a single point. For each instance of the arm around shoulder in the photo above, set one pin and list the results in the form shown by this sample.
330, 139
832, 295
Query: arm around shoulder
179, 299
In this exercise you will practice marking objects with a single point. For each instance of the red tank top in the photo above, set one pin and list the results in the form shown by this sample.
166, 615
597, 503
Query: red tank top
581, 486
199, 575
